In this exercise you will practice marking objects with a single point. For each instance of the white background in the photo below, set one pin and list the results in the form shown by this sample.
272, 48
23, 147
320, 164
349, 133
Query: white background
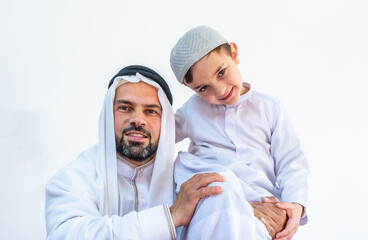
57, 57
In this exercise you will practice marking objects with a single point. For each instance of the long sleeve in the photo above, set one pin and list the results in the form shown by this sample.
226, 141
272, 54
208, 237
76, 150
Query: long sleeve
73, 211
291, 166
181, 129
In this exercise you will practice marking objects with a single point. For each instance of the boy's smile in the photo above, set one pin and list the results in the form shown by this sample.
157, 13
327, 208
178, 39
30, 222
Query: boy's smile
217, 79
228, 96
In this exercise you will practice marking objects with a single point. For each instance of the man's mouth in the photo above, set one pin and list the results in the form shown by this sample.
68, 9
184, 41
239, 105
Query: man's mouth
228, 95
136, 136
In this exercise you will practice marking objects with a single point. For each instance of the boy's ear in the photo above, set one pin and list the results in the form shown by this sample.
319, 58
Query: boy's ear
234, 52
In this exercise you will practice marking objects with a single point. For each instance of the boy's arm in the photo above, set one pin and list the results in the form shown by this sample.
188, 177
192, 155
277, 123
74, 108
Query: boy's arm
180, 124
270, 215
294, 212
291, 166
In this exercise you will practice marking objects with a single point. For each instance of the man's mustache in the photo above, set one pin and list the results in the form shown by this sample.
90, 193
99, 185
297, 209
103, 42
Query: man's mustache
137, 129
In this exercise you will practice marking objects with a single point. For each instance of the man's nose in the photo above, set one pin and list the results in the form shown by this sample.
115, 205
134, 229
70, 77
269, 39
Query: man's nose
138, 119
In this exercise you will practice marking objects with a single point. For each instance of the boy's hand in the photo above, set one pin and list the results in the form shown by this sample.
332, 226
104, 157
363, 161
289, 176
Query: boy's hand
189, 195
271, 216
294, 212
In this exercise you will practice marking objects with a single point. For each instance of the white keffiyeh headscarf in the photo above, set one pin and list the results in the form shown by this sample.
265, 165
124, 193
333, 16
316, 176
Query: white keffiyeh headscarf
162, 184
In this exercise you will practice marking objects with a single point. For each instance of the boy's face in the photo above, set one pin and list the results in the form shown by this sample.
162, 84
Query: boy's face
217, 79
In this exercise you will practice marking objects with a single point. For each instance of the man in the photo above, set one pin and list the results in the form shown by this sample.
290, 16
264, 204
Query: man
122, 187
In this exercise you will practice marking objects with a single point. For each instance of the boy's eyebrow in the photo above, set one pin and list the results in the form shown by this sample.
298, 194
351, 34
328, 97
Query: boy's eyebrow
195, 88
215, 73
219, 68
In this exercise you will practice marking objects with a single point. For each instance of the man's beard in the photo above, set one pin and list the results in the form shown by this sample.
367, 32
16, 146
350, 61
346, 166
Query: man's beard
134, 150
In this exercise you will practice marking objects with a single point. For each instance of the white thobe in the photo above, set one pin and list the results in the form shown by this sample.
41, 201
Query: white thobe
253, 139
99, 197
74, 195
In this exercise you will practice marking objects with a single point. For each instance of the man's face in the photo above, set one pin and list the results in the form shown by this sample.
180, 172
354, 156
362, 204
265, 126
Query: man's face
137, 121
216, 78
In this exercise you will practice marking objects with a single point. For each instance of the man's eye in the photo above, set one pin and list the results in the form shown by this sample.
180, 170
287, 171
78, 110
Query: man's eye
204, 88
151, 111
124, 108
221, 73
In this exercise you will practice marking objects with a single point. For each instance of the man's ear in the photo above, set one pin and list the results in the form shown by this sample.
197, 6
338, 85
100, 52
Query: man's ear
234, 52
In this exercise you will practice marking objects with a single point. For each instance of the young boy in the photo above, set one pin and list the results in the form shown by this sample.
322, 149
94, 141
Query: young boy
243, 134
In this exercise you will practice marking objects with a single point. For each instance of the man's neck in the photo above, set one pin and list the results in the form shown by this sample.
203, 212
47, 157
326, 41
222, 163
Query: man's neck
135, 163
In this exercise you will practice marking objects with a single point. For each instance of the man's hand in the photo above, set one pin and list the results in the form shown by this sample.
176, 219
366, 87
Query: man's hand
270, 215
294, 212
189, 195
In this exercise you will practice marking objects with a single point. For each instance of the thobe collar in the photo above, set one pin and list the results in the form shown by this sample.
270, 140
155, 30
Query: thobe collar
129, 170
243, 97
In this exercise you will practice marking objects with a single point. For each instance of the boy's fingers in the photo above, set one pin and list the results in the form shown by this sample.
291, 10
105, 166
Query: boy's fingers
290, 229
276, 217
284, 238
270, 199
284, 205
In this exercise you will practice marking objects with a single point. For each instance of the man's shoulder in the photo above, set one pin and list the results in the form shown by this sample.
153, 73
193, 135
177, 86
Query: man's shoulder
86, 159
84, 166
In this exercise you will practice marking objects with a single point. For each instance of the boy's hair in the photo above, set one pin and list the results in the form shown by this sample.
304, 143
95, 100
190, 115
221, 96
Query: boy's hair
226, 48
192, 46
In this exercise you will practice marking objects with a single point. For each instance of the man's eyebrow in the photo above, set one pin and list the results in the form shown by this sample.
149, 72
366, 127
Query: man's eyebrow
123, 101
153, 106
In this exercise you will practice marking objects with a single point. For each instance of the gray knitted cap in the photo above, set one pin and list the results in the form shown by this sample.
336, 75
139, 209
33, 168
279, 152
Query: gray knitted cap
192, 46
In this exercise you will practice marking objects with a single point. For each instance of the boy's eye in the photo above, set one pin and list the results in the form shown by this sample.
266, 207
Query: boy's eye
221, 73
202, 89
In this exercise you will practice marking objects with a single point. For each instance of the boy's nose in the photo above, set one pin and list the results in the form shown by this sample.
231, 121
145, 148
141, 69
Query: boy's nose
219, 91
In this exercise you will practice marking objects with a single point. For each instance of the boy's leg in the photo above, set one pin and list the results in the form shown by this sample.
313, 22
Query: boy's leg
225, 216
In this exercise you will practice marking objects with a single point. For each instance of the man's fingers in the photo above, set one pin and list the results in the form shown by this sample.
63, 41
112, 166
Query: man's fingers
199, 181
206, 191
265, 222
270, 229
196, 187
189, 195
203, 179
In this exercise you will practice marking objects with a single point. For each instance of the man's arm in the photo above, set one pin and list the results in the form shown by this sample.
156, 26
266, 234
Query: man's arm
72, 212
72, 209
